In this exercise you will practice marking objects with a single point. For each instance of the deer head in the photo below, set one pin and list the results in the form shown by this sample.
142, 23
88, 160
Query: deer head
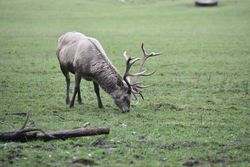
132, 84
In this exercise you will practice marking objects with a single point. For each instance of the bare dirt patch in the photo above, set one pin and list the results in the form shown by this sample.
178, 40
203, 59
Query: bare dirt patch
165, 106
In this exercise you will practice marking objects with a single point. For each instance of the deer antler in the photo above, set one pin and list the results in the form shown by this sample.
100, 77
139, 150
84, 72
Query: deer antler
145, 57
135, 87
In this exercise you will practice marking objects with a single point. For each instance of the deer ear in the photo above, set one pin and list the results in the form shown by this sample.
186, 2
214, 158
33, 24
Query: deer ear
120, 83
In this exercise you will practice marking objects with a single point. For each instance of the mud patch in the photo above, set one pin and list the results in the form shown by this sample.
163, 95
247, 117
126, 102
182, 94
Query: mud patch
192, 162
214, 161
178, 145
101, 143
14, 154
84, 161
167, 106
202, 109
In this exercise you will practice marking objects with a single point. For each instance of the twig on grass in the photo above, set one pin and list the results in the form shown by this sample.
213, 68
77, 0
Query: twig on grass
17, 113
26, 121
62, 118
55, 113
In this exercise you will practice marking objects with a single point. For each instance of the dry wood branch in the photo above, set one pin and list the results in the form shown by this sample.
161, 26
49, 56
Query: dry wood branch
26, 121
27, 134
38, 134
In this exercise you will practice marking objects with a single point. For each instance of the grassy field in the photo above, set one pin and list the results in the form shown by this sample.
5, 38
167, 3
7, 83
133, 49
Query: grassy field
196, 113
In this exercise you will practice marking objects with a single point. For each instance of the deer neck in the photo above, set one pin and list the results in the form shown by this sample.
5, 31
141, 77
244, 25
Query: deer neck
107, 77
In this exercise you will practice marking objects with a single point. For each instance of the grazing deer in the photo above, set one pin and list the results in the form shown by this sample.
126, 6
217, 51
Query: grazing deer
85, 57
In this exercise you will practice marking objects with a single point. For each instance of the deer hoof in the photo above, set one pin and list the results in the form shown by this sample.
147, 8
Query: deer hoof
71, 105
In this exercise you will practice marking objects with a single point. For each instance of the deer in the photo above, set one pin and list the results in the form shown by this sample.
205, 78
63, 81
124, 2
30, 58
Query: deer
85, 57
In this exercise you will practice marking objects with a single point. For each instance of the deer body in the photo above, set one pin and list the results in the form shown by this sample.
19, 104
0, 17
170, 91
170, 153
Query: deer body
85, 57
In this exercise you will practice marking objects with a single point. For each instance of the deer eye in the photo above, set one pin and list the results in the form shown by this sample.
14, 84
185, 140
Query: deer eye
125, 99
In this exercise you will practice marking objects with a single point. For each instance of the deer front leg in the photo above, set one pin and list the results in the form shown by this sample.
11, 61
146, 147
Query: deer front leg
97, 92
67, 89
79, 98
77, 88
67, 79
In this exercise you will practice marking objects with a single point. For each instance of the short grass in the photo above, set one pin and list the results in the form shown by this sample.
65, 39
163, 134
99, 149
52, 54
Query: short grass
196, 113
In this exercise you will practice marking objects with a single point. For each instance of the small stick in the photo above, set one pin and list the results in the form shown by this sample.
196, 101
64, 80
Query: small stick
63, 119
26, 121
17, 113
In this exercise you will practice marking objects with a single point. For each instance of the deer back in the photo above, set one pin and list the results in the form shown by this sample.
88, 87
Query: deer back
77, 52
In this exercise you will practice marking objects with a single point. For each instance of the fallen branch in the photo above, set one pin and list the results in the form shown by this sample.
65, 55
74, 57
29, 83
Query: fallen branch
38, 134
27, 134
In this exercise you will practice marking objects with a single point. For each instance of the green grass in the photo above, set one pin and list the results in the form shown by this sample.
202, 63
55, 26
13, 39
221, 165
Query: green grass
197, 111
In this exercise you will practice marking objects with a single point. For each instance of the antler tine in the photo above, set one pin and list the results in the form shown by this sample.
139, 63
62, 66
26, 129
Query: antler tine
125, 55
141, 95
130, 62
148, 74
143, 50
137, 100
142, 87
146, 55
133, 60
141, 74
134, 92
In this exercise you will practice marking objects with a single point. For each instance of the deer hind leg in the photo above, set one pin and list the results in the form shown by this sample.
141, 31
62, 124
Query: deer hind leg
77, 89
97, 92
67, 79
